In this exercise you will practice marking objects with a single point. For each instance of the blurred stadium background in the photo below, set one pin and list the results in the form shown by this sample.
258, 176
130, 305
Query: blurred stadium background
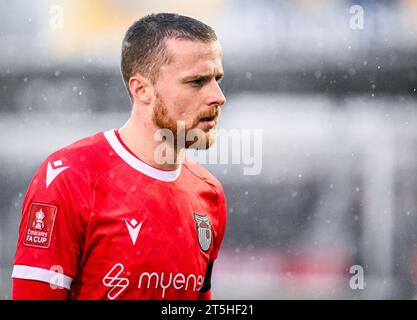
337, 107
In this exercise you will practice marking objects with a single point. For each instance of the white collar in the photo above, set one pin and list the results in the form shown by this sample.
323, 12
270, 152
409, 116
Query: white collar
137, 164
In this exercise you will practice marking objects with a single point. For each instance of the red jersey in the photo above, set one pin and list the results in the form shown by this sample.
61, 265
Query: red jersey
105, 225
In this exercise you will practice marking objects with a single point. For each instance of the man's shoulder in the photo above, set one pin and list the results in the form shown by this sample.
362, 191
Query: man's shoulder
204, 174
86, 157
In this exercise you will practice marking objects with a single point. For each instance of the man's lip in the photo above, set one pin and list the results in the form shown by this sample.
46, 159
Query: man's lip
211, 117
208, 123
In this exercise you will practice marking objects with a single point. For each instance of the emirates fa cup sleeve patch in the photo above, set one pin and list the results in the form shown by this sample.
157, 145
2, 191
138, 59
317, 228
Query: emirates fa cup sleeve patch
40, 225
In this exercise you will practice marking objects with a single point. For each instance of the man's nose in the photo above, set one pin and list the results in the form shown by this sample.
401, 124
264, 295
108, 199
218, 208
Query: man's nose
216, 94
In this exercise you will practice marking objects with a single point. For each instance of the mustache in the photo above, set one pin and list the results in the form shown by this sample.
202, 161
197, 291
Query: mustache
214, 113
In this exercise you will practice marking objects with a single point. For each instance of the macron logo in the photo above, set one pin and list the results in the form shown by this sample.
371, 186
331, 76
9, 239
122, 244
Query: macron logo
133, 227
52, 171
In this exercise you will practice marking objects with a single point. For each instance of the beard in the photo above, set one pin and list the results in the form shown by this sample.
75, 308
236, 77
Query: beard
194, 138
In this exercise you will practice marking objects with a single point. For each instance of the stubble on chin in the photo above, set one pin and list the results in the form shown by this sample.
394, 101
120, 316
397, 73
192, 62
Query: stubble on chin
194, 137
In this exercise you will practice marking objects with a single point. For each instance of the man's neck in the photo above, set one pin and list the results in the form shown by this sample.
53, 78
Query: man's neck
139, 137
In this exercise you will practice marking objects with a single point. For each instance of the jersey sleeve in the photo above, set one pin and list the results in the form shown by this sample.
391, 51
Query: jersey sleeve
221, 222
52, 225
27, 289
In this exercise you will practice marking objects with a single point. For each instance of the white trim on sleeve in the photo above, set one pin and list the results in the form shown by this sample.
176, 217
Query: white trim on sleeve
137, 164
44, 275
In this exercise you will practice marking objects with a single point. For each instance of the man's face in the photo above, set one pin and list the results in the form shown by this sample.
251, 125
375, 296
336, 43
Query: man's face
187, 90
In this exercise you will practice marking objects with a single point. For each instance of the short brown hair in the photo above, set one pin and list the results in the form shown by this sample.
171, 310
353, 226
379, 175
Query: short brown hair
143, 48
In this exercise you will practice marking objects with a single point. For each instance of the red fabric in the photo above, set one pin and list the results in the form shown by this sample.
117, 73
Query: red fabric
36, 290
119, 233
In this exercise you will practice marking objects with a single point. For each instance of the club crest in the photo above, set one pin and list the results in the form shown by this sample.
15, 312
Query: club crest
204, 232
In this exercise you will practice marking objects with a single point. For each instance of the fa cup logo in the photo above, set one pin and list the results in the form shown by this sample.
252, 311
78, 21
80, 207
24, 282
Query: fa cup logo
38, 224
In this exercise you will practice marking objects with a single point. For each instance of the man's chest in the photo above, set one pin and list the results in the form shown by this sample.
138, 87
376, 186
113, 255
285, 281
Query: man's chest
158, 239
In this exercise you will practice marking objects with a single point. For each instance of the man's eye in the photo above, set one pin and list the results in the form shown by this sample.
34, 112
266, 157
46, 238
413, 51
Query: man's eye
197, 82
219, 79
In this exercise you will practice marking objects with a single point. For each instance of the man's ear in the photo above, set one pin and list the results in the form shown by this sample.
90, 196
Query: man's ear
140, 88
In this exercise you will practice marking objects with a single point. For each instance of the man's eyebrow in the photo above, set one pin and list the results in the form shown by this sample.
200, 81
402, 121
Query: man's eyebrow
203, 76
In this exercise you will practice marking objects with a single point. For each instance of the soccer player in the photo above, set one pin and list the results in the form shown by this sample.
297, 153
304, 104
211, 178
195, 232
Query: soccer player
105, 218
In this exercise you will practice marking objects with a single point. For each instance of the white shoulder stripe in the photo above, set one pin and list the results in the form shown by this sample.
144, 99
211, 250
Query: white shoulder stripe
44, 275
137, 164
